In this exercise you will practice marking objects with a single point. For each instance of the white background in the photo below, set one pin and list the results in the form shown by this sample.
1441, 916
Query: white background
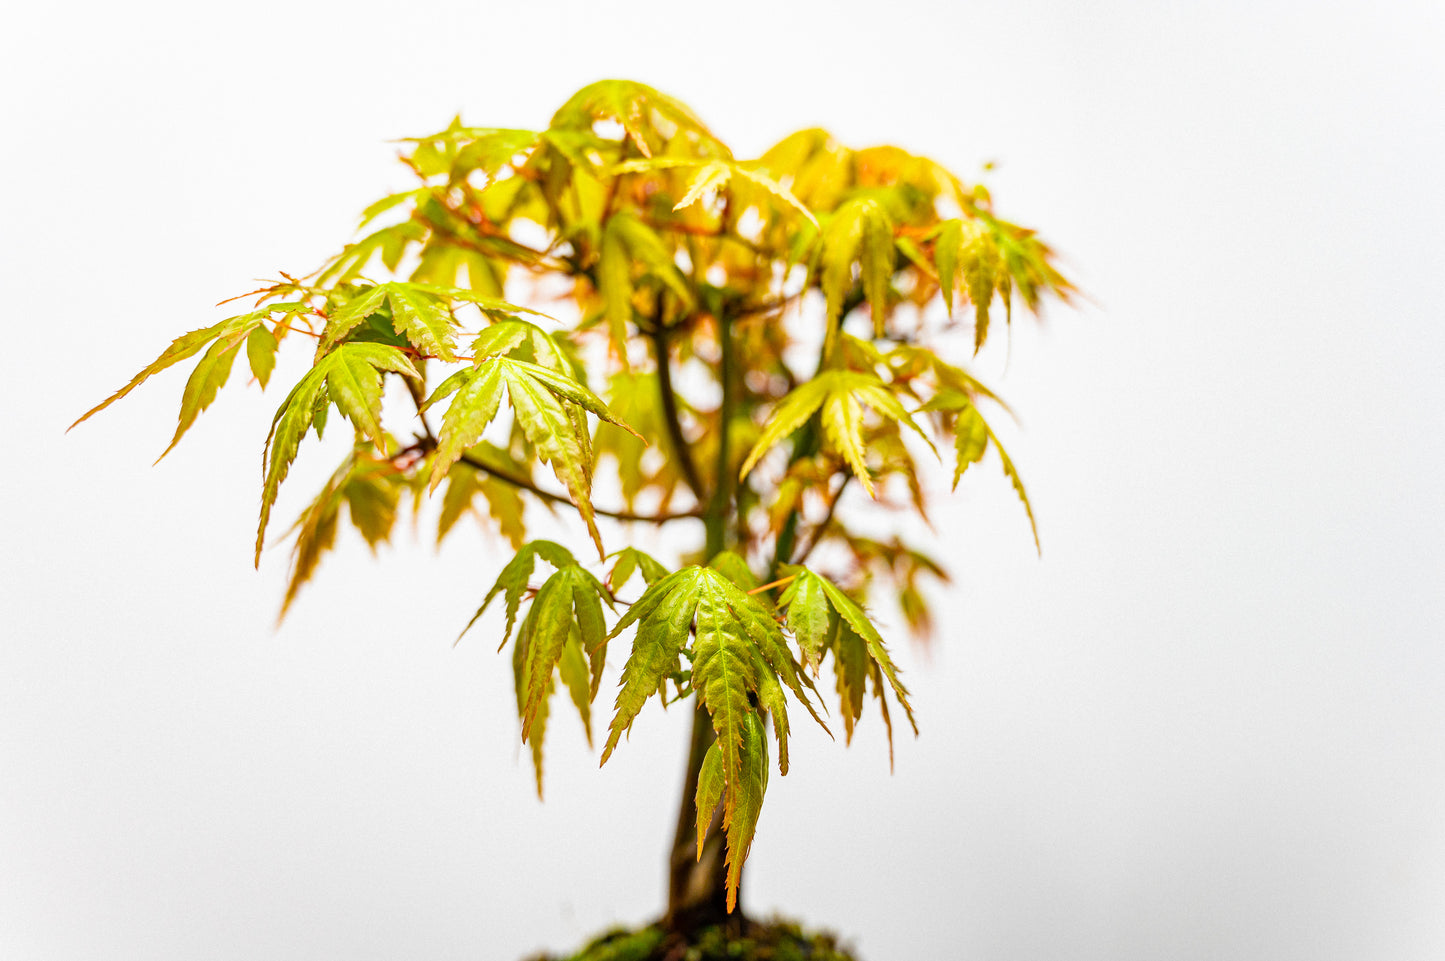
1207, 724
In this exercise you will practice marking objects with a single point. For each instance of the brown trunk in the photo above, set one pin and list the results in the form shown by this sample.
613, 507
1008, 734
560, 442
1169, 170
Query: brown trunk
697, 887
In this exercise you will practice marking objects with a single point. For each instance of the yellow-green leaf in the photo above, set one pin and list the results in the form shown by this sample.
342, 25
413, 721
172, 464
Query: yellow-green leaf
354, 391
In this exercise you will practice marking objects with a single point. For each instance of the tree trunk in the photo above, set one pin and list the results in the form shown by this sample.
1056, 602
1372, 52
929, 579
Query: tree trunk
697, 887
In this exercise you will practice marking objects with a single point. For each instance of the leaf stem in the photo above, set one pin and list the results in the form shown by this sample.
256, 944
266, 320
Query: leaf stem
771, 584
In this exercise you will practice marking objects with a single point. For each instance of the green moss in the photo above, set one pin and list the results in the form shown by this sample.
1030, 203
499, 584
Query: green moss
774, 941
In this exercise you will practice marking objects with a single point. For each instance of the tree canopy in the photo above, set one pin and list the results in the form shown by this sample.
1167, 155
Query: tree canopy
739, 342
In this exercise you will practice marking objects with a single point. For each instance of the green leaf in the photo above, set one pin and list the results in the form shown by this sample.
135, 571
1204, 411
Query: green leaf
209, 376
808, 608
390, 202
760, 177
614, 281
631, 560
391, 242
416, 313
859, 232
715, 174
981, 265
838, 393
491, 151
791, 413
538, 727
261, 346
232, 329
493, 307
424, 319
512, 581
842, 419
529, 342
504, 501
345, 318
555, 435
725, 672
738, 653
369, 488
970, 438
372, 491
479, 395
945, 257
824, 618
967, 250
746, 803
711, 782
972, 435
575, 673
315, 532
712, 175
663, 615
570, 389
349, 377
1018, 485
730, 565
544, 634
506, 507
850, 662
182, 347
645, 247
747, 793
855, 619
637, 107
546, 407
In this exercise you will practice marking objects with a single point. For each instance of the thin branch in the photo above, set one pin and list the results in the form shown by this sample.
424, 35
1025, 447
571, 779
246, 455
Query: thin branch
680, 450
722, 491
538, 258
822, 527
770, 307
428, 442
546, 495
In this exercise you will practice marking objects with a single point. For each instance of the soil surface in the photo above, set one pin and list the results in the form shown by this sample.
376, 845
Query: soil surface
770, 941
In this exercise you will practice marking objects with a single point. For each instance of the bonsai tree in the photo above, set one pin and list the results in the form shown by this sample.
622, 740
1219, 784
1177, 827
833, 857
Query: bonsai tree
751, 351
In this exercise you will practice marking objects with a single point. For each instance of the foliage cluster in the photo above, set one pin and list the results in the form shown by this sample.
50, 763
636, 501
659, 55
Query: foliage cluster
743, 341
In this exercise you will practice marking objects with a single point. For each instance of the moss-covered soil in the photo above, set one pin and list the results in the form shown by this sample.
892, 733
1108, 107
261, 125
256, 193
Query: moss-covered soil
772, 941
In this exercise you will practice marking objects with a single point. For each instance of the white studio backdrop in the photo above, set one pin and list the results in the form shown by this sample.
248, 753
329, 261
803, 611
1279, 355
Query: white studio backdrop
1207, 724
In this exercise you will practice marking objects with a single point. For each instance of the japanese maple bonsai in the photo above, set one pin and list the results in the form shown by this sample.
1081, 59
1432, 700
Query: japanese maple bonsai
761, 346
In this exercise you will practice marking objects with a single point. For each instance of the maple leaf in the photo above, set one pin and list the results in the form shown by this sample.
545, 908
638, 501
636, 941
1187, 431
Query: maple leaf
627, 242
715, 174
972, 436
859, 232
740, 664
370, 489
822, 617
630, 560
221, 341
642, 111
350, 378
419, 315
546, 405
840, 396
563, 634
740, 821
